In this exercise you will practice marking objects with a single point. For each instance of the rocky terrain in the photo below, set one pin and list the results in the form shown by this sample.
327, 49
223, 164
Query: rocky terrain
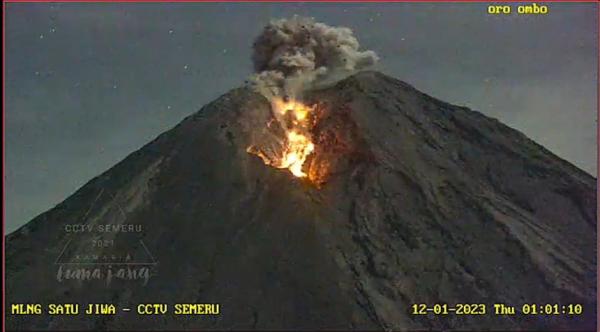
411, 200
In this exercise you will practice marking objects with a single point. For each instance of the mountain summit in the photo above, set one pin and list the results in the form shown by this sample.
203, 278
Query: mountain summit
407, 200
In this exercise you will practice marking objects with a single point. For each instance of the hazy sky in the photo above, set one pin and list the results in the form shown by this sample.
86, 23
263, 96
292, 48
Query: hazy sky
89, 83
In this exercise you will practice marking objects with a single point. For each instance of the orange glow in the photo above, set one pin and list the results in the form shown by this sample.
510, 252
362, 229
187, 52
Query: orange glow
293, 116
299, 110
298, 148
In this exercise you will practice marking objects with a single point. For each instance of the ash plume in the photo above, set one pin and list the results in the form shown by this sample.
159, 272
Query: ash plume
292, 55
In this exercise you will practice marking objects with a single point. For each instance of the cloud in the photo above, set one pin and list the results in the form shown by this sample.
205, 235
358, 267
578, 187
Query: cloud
292, 55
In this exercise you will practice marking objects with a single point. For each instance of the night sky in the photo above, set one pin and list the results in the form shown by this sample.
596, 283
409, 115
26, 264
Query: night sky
88, 83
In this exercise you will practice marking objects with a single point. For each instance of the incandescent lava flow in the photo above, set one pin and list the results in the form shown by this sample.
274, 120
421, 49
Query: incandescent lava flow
294, 118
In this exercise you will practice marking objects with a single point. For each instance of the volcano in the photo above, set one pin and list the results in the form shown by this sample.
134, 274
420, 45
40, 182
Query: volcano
408, 200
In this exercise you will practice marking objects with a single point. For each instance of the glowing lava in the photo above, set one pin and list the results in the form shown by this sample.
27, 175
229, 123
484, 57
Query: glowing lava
293, 117
298, 148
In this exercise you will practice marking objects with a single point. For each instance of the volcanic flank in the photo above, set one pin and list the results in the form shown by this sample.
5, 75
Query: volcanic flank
406, 200
424, 202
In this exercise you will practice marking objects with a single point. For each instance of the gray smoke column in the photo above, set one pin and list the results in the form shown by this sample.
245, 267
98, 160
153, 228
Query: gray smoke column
292, 55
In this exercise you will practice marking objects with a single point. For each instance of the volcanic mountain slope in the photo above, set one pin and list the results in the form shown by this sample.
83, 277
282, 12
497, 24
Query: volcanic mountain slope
411, 200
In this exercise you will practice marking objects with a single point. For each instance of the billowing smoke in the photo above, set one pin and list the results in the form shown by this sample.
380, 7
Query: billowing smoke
296, 54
